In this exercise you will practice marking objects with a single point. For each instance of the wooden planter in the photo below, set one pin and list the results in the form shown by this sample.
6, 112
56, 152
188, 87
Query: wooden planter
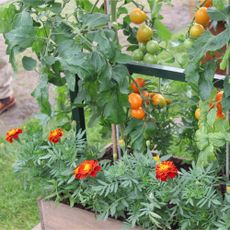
63, 217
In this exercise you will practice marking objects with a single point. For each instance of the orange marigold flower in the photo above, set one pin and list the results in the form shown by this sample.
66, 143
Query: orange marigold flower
87, 168
55, 135
166, 170
13, 134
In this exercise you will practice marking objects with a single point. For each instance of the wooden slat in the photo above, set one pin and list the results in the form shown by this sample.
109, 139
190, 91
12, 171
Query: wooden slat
62, 217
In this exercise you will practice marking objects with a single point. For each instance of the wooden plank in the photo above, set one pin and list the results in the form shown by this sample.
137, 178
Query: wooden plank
62, 217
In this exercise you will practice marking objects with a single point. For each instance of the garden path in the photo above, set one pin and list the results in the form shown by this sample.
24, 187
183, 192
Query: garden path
176, 18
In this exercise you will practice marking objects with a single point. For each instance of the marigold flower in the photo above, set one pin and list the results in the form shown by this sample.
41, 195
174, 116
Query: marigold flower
87, 168
13, 134
166, 170
55, 135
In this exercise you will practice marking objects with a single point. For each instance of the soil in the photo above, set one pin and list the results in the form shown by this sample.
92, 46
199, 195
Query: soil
176, 18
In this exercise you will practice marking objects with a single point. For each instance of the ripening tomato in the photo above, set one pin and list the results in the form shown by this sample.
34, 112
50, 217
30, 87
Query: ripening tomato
197, 114
144, 34
219, 96
137, 16
138, 81
150, 59
206, 3
202, 16
153, 47
138, 55
135, 100
220, 115
142, 47
138, 113
158, 99
196, 31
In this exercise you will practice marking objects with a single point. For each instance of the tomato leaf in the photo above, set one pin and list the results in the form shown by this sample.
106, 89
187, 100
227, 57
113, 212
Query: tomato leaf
208, 42
162, 31
219, 15
28, 63
206, 80
42, 96
95, 20
7, 15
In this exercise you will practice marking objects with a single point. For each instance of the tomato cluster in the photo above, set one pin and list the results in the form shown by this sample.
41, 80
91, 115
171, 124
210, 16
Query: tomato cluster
148, 48
202, 19
141, 97
147, 52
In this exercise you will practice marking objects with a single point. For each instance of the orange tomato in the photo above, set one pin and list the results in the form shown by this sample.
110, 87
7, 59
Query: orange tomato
202, 17
144, 34
196, 31
140, 82
135, 100
218, 99
219, 96
208, 3
137, 16
220, 115
138, 113
158, 99
197, 114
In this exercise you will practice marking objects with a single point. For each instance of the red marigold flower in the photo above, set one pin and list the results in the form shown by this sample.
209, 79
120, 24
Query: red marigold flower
166, 170
87, 168
13, 134
55, 135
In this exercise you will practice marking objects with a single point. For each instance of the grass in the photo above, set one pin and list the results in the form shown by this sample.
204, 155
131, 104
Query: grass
18, 206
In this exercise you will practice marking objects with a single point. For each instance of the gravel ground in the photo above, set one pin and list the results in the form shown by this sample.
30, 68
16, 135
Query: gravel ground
176, 18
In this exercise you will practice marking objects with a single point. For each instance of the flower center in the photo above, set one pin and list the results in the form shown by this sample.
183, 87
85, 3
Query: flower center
12, 132
87, 167
164, 167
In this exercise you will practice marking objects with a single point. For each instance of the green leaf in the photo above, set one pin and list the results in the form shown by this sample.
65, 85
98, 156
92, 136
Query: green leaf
122, 58
219, 4
7, 15
71, 80
162, 31
113, 109
192, 73
219, 15
225, 60
29, 63
211, 117
226, 99
208, 42
120, 75
42, 96
206, 156
56, 8
95, 20
206, 80
122, 10
217, 139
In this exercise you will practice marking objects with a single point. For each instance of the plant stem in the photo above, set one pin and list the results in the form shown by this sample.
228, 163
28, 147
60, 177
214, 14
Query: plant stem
94, 6
114, 142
